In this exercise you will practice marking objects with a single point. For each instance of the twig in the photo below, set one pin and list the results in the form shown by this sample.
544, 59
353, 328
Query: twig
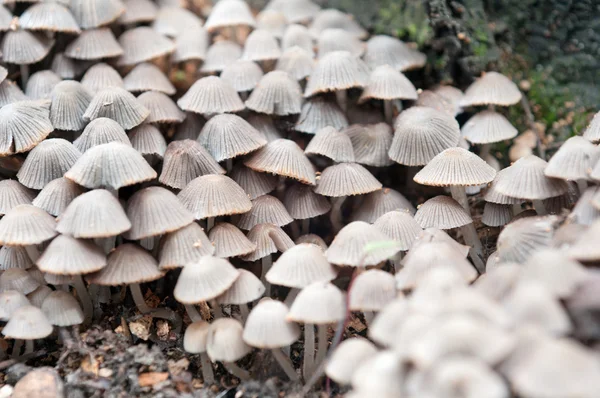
531, 122
25, 357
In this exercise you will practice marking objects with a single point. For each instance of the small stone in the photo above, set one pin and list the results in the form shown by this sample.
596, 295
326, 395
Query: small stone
40, 383
105, 372
141, 327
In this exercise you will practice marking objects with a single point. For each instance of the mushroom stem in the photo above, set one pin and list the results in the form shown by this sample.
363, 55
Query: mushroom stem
476, 250
207, 370
193, 313
65, 336
84, 297
291, 296
238, 372
305, 226
18, 344
285, 363
29, 346
210, 222
229, 165
336, 213
322, 344
32, 252
24, 74
369, 316
342, 99
539, 207
582, 186
516, 209
309, 350
395, 262
217, 311
460, 195
244, 312
484, 151
107, 244
266, 266
163, 313
388, 110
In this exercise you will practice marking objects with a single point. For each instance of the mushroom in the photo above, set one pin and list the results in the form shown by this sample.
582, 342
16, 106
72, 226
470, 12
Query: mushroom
183, 246
93, 45
261, 47
296, 62
56, 196
265, 209
224, 343
276, 94
242, 75
194, 342
49, 17
63, 310
50, 159
27, 323
347, 357
232, 15
255, 184
148, 77
185, 160
162, 109
13, 193
173, 21
330, 18
118, 104
149, 141
302, 203
14, 257
296, 35
137, 11
401, 227
219, 55
89, 14
14, 115
371, 143
521, 238
101, 76
40, 85
246, 289
14, 42
191, 47
209, 96
380, 202
573, 161
229, 241
143, 44
318, 113
370, 292
388, 50
100, 131
332, 144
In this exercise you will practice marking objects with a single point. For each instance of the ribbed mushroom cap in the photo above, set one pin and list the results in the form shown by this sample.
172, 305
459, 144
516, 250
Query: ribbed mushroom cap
371, 143
6, 19
297, 62
190, 128
162, 108
318, 113
66, 255
40, 84
184, 246
422, 133
228, 13
246, 288
386, 83
377, 203
451, 94
261, 45
297, 35
69, 99
276, 94
586, 247
592, 132
148, 140
265, 209
492, 88
54, 279
332, 144
38, 296
399, 226
118, 104
191, 45
319, 303
113, 165
255, 184
211, 95
224, 341
49, 16
154, 211
430, 99
381, 375
185, 160
496, 215
100, 131
95, 13
382, 50
265, 126
295, 11
194, 339
525, 179
94, 214
336, 39
372, 290
347, 357
19, 280
26, 225
142, 44
34, 115
22, 47
442, 212
204, 280
66, 67
10, 301
27, 323
62, 309
101, 76
13, 193
455, 166
229, 241
301, 266
312, 239
10, 92
242, 75
337, 70
487, 127
493, 196
574, 160
555, 271
219, 55
227, 136
148, 77
214, 195
173, 21
267, 326
268, 239
273, 21
334, 19
14, 257
302, 202
127, 264
346, 179
521, 238
94, 44
350, 246
285, 158
137, 11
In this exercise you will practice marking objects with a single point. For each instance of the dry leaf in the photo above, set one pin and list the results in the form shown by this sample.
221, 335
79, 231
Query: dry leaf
356, 324
163, 330
141, 327
176, 367
152, 378
90, 365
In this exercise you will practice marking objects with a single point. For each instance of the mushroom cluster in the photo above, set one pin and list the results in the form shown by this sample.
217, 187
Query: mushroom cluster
278, 174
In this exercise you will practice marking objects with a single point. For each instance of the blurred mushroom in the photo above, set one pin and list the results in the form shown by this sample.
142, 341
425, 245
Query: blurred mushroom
318, 113
224, 343
62, 310
118, 104
382, 50
194, 342
27, 323
347, 357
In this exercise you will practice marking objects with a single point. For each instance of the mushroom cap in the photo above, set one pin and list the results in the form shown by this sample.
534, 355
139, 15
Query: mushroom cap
337, 70
592, 132
19, 280
312, 239
285, 158
574, 160
261, 45
69, 99
493, 196
229, 241
350, 247
195, 336
224, 341
276, 94
204, 280
452, 95
496, 215
229, 13
66, 255
148, 141
267, 326
113, 165
295, 11
27, 323
33, 114
10, 92
62, 309
40, 85
211, 95
346, 179
26, 225
265, 209
173, 21
242, 75
183, 246
38, 296
137, 11
336, 39
10, 301
400, 226
94, 44
255, 184
455, 166
555, 271
296, 62
319, 303
332, 144
301, 266
381, 375
143, 44
430, 99
331, 18
246, 288
492, 88
148, 77
219, 55
442, 212
49, 160
268, 239
521, 238
303, 203
49, 16
347, 357
118, 104
228, 136
14, 257
100, 131
101, 76
13, 193
190, 128
214, 195
162, 108
65, 67
273, 21
422, 133
191, 45
318, 113
371, 143
297, 35
95, 13
372, 290
127, 264
487, 127
23, 47
382, 50
155, 211
377, 203
94, 214
386, 83
185, 160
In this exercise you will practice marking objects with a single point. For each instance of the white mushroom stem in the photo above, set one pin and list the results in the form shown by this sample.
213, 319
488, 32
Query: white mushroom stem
107, 244
32, 252
18, 344
342, 99
582, 186
24, 74
460, 195
322, 345
65, 336
484, 151
217, 311
229, 164
84, 297
207, 370
238, 372
291, 296
29, 346
244, 312
335, 214
193, 313
163, 313
210, 222
305, 226
516, 209
388, 110
309, 350
476, 250
539, 207
286, 364
369, 316
266, 262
